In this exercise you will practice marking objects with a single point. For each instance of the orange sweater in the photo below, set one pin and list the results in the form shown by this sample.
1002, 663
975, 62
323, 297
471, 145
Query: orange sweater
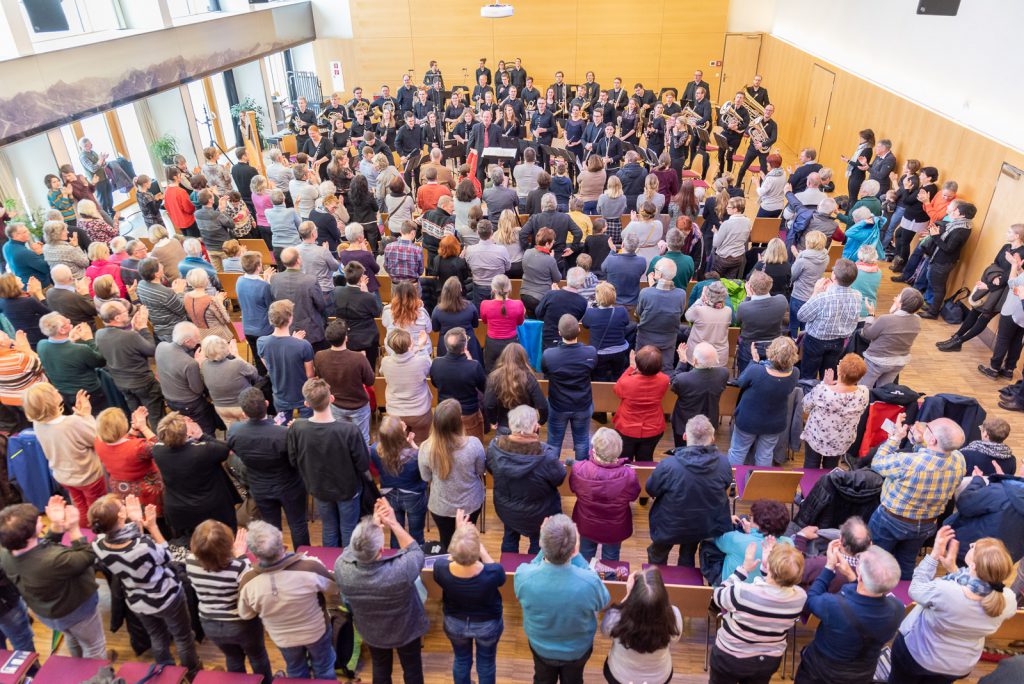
937, 207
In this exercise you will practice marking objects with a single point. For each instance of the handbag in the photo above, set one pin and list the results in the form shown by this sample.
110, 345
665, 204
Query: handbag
954, 309
368, 497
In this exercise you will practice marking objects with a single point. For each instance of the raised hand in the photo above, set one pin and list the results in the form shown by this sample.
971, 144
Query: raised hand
55, 512
83, 407
809, 532
461, 519
750, 560
179, 286
133, 509
149, 519
299, 334
239, 548
139, 417
832, 554
901, 429
199, 356
72, 518
830, 377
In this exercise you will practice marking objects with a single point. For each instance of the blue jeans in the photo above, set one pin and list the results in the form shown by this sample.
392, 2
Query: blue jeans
764, 448
743, 357
900, 538
794, 322
320, 654
412, 506
588, 549
83, 629
240, 638
579, 422
359, 417
890, 229
590, 208
510, 542
14, 625
462, 633
339, 519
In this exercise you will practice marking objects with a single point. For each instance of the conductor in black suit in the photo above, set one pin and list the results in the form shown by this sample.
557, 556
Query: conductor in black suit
484, 134
690, 92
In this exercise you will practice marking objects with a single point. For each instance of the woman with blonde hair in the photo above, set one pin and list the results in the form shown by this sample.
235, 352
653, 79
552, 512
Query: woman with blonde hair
406, 311
226, 376
104, 289
652, 194
216, 175
398, 203
764, 395
92, 222
396, 457
453, 464
22, 308
942, 638
591, 182
260, 189
126, 452
167, 249
809, 266
207, 312
502, 316
68, 442
648, 229
611, 205
100, 264
581, 219
405, 371
386, 174
774, 261
507, 236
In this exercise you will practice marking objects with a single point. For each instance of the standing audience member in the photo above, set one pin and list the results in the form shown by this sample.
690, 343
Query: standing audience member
604, 486
127, 345
691, 496
699, 388
762, 317
487, 260
165, 304
710, 318
406, 312
181, 379
382, 593
358, 307
396, 458
69, 298
625, 270
512, 383
456, 375
527, 474
303, 291
639, 418
205, 311
807, 269
347, 373
403, 258
891, 336
502, 315
71, 360
334, 462
560, 596
23, 305
540, 271
570, 398
833, 408
226, 376
126, 452
274, 483
660, 310
643, 627
761, 414
254, 299
730, 240
405, 370
561, 301
288, 358
831, 315
609, 324
284, 591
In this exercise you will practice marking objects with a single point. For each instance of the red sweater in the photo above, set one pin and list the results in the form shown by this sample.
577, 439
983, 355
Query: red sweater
179, 207
640, 413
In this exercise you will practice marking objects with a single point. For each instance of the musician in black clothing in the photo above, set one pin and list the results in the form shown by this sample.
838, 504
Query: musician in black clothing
503, 87
409, 139
485, 134
384, 98
359, 126
517, 104
488, 105
387, 127
510, 123
591, 89
422, 107
302, 118
698, 142
335, 109
433, 74
406, 94
465, 126
671, 106
357, 99
580, 99
482, 70
517, 75
339, 136
543, 128
378, 146
318, 147
618, 97
609, 148
757, 93
594, 131
561, 92
690, 92
761, 153
732, 132
480, 89
605, 107
655, 131
645, 97
530, 94
678, 139
432, 133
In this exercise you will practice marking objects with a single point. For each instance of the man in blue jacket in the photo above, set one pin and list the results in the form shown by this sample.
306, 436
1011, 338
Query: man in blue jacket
24, 256
254, 299
570, 399
691, 496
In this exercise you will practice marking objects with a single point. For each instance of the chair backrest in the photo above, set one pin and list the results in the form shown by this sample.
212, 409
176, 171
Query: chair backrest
835, 253
775, 485
229, 281
261, 247
1011, 629
764, 229
385, 287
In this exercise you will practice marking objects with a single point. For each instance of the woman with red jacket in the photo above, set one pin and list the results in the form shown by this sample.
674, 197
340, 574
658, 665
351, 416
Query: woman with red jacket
640, 419
604, 486
178, 205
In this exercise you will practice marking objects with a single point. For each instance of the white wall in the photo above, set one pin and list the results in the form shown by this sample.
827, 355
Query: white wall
28, 161
249, 83
169, 116
332, 18
964, 67
751, 16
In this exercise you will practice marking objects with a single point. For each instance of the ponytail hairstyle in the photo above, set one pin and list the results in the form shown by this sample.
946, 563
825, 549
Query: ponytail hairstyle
992, 564
721, 196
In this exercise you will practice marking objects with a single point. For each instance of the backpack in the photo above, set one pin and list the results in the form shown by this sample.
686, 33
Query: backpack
27, 465
347, 642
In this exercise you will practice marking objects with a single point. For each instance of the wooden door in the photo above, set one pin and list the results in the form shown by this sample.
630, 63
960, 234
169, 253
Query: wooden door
739, 65
819, 96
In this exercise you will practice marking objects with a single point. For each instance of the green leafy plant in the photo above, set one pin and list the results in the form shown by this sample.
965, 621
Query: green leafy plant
249, 105
165, 147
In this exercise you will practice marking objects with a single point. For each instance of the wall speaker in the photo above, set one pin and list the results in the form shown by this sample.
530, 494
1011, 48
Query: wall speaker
938, 8
46, 15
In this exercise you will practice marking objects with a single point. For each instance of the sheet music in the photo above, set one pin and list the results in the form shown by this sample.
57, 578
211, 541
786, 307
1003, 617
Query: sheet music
501, 152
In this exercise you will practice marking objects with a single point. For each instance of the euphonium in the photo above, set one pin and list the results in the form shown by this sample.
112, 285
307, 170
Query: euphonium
758, 135
730, 117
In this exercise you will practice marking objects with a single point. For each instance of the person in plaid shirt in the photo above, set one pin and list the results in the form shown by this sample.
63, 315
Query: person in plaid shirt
918, 485
830, 316
403, 258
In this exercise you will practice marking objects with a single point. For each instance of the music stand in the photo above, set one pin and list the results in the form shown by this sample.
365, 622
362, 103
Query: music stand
416, 170
453, 150
564, 155
649, 156
674, 91
410, 167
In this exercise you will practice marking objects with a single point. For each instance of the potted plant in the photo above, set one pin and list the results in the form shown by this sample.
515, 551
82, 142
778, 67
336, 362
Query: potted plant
249, 105
165, 147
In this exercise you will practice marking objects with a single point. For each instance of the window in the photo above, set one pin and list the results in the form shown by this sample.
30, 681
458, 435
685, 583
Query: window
227, 124
184, 8
278, 75
29, 161
82, 16
95, 129
135, 142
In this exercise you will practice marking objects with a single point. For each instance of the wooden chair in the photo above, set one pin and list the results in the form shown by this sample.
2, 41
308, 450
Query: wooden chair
734, 339
1012, 629
764, 229
517, 285
605, 399
261, 247
624, 220
766, 483
835, 253
523, 218
229, 281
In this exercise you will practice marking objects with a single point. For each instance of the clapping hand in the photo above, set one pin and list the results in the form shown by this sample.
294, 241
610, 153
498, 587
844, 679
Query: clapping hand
55, 511
901, 429
830, 377
946, 548
239, 548
750, 559
140, 321
299, 334
754, 355
179, 286
461, 519
268, 273
83, 407
139, 418
869, 306
35, 288
133, 509
681, 350
82, 286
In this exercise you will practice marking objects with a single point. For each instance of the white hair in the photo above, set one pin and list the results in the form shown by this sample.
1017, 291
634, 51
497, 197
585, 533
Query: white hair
367, 540
354, 232
198, 279
878, 570
699, 431
118, 244
264, 541
215, 348
548, 202
631, 243
869, 188
862, 214
523, 420
61, 274
184, 331
667, 268
558, 539
51, 323
575, 277
705, 355
868, 254
193, 247
606, 445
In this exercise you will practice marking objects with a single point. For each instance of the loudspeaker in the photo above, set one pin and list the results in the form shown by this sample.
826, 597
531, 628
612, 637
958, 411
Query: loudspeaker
938, 8
46, 15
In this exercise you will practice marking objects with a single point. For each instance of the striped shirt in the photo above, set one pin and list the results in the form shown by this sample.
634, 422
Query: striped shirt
757, 616
19, 370
144, 568
918, 484
217, 590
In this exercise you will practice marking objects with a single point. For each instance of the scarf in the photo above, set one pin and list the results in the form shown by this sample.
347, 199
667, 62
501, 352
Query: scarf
990, 449
974, 585
124, 534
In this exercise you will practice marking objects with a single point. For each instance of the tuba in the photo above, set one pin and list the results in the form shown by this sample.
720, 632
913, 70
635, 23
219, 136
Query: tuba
754, 108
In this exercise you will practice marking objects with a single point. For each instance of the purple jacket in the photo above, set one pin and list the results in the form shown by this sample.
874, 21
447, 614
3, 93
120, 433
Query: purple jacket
603, 494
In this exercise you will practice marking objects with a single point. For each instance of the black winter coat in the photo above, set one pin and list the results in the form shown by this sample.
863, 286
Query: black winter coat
525, 485
691, 495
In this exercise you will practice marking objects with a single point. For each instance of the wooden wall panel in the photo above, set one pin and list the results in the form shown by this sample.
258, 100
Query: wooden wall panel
533, 19
633, 56
691, 17
542, 58
460, 19
684, 53
381, 19
374, 66
616, 16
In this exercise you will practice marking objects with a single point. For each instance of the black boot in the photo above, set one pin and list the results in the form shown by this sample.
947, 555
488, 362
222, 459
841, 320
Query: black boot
953, 344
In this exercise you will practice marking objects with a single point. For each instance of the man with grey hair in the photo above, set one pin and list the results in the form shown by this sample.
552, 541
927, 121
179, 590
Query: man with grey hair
303, 291
691, 496
570, 399
560, 596
486, 260
24, 256
127, 344
918, 485
499, 196
165, 304
194, 259
527, 474
279, 171
672, 250
60, 250
558, 302
660, 309
177, 366
70, 359
317, 261
383, 594
283, 591
560, 223
457, 375
70, 298
809, 197
698, 387
625, 270
135, 252
855, 623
